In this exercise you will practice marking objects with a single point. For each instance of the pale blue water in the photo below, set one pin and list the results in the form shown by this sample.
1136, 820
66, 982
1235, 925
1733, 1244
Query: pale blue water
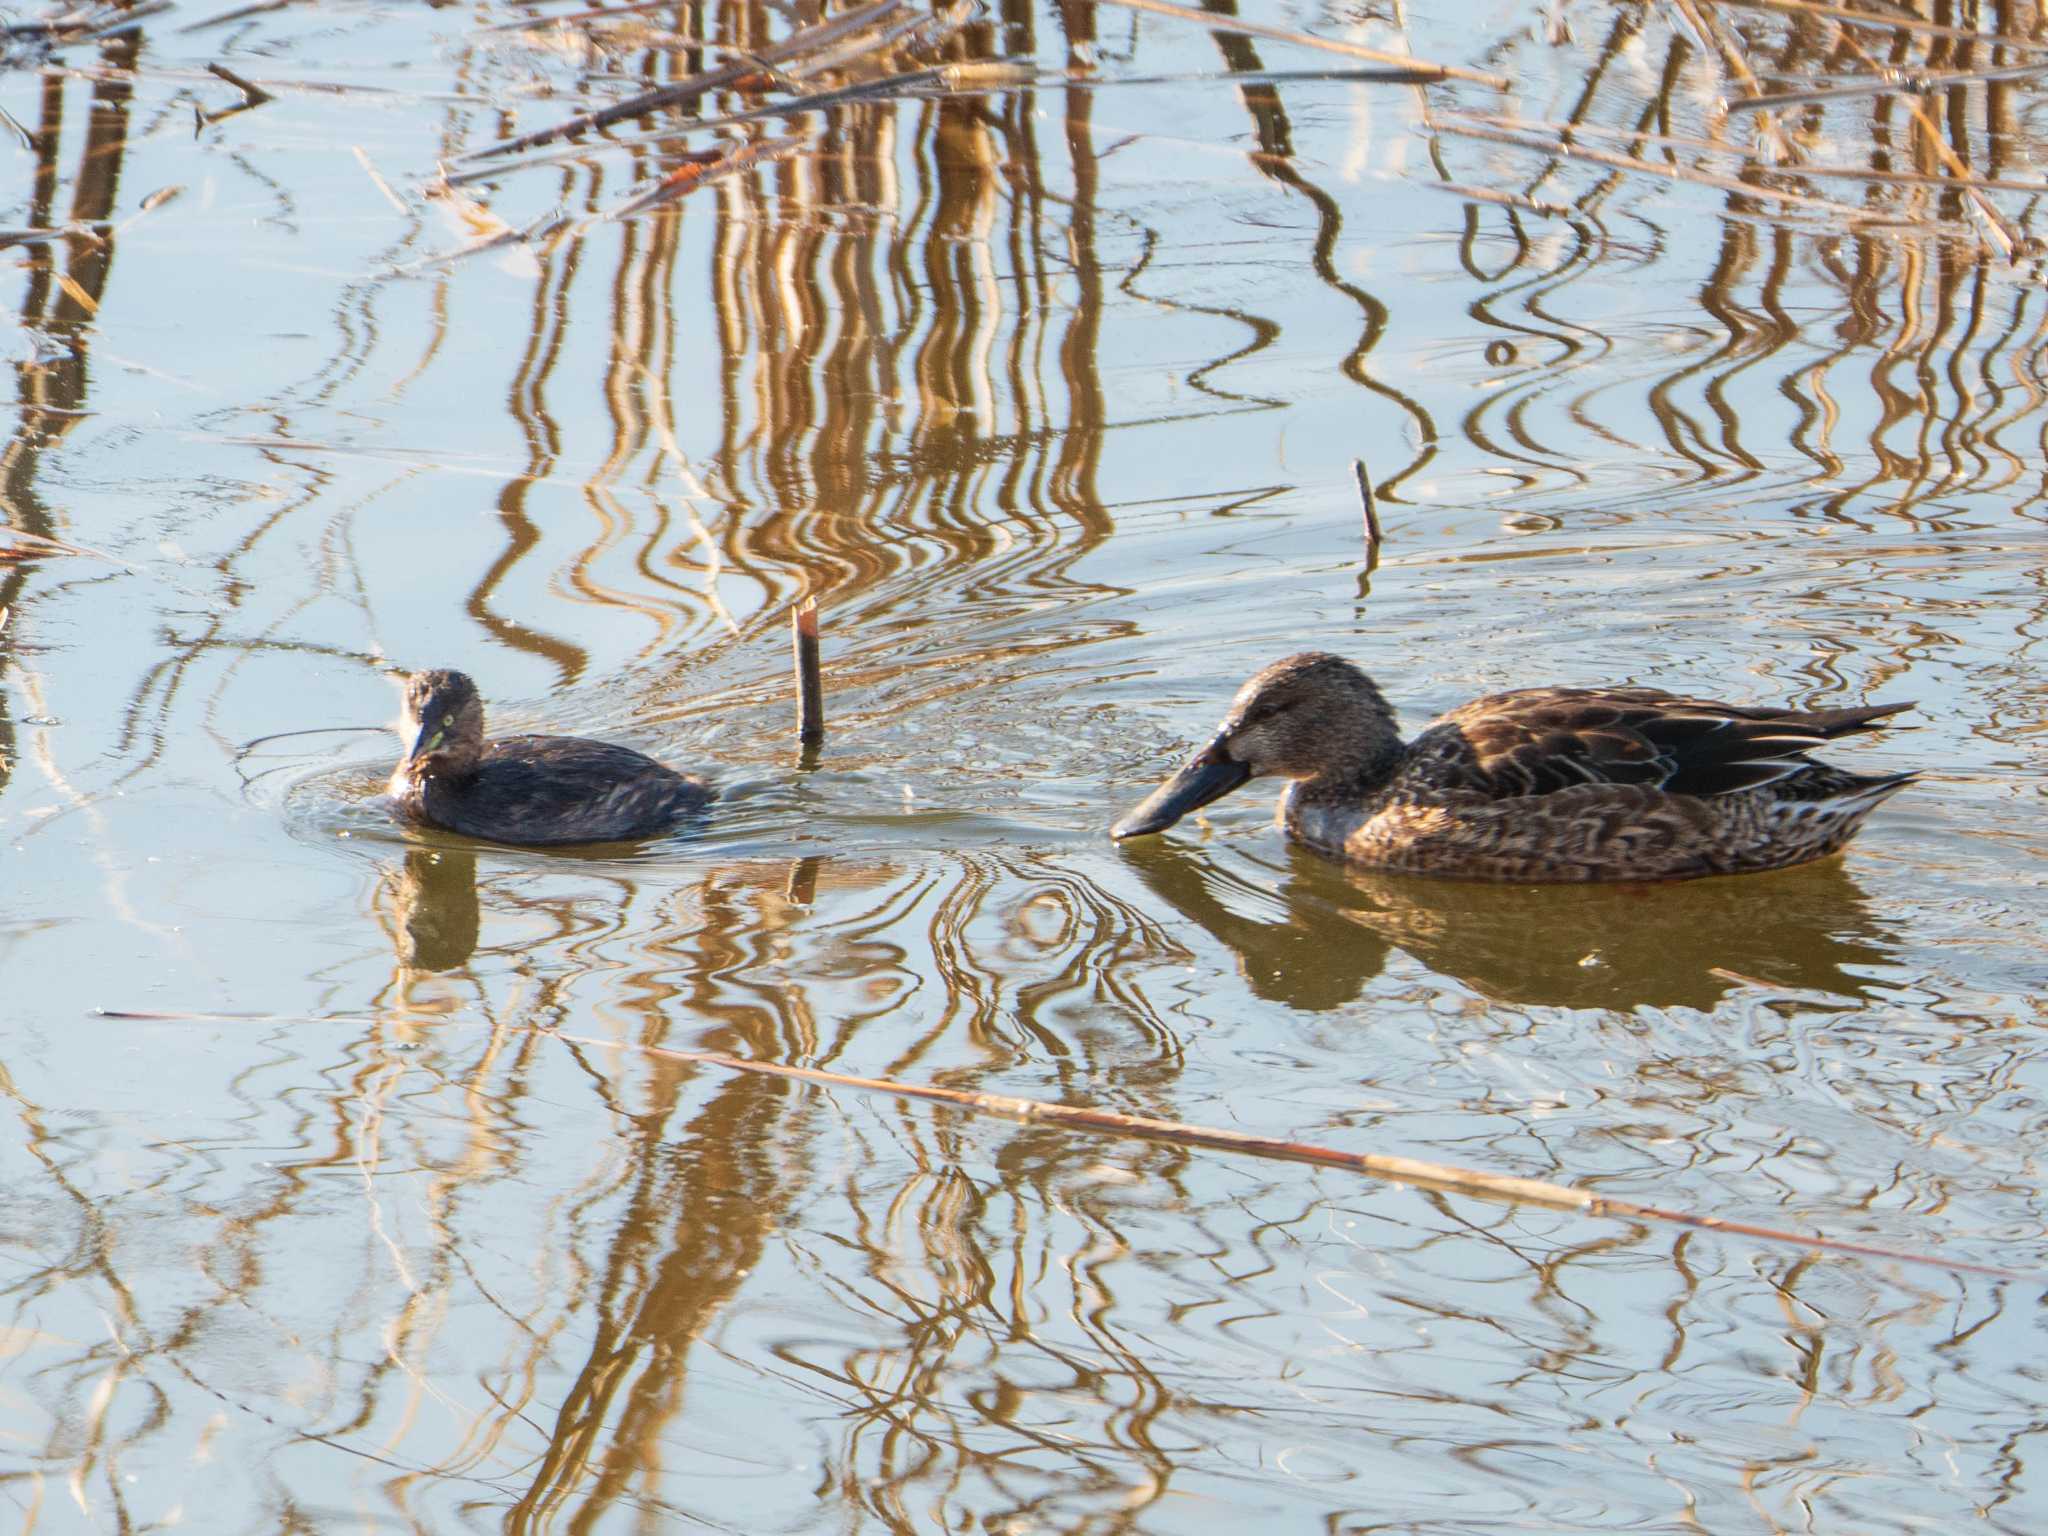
1051, 398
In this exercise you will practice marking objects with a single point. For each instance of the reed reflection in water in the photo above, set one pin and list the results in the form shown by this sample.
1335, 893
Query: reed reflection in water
1050, 394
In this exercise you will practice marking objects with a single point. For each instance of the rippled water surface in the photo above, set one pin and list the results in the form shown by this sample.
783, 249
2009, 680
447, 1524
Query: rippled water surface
1048, 389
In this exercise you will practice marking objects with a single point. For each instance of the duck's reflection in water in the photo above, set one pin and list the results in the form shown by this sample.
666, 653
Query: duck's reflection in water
1311, 933
435, 916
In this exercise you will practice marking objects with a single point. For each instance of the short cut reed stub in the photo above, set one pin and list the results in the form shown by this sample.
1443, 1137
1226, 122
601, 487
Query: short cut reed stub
810, 682
1373, 536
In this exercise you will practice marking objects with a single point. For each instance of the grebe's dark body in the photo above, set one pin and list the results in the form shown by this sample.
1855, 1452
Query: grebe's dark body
533, 790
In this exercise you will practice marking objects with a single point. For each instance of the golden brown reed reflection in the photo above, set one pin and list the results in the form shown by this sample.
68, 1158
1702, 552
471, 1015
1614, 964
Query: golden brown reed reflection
66, 280
1917, 221
693, 1174
697, 1175
700, 1201
904, 385
831, 285
904, 327
1320, 937
908, 390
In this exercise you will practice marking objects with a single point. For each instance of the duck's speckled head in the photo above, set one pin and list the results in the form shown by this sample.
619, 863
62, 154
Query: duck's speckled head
444, 721
1309, 716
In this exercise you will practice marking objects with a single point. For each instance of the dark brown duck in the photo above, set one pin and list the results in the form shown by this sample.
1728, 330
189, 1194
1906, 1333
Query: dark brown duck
1540, 784
534, 790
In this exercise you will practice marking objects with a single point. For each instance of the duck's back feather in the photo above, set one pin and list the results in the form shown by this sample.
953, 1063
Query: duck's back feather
1538, 741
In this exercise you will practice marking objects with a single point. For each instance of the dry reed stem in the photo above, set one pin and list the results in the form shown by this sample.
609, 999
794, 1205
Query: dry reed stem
76, 292
1891, 82
962, 77
1505, 199
888, 86
1885, 23
1511, 123
41, 236
253, 95
120, 76
238, 13
1402, 1170
1713, 40
1568, 130
1217, 22
1917, 179
804, 40
713, 165
2008, 238
378, 181
496, 233
600, 13
1468, 127
20, 544
128, 21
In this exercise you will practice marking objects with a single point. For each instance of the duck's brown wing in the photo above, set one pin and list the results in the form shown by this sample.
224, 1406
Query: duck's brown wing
1540, 740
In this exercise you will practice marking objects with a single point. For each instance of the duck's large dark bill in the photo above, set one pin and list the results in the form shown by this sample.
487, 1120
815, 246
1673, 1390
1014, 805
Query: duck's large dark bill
1208, 777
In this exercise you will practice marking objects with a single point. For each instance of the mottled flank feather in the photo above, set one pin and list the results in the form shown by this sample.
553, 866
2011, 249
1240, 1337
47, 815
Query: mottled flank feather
1541, 784
533, 790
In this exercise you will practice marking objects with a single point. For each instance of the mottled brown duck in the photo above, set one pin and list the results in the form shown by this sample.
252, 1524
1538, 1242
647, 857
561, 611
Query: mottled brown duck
532, 790
1540, 784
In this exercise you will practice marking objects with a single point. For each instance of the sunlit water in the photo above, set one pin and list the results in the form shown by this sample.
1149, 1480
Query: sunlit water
1050, 397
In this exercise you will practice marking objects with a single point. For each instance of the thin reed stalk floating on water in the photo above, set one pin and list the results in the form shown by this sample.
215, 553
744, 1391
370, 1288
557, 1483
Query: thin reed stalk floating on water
2008, 239
601, 13
1878, 21
757, 66
1707, 31
1400, 1170
1892, 82
18, 544
1217, 22
253, 95
1474, 194
705, 167
1563, 131
1473, 127
940, 79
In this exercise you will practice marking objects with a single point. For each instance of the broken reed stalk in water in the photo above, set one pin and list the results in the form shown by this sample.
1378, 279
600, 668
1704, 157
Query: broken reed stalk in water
810, 680
1892, 84
1373, 536
1879, 21
1217, 22
1471, 126
2002, 232
755, 66
1399, 1170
